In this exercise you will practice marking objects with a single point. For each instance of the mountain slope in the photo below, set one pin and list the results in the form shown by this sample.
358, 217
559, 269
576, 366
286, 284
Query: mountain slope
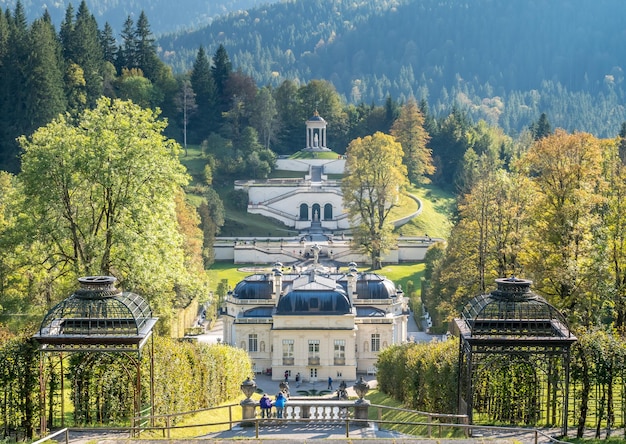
480, 51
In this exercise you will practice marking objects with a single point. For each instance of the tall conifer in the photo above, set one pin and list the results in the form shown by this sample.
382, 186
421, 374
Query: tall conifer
4, 87
14, 87
145, 51
126, 52
88, 52
109, 46
202, 83
46, 96
221, 70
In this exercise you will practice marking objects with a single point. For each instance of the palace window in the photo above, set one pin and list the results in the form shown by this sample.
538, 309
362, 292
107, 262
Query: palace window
253, 342
314, 352
340, 352
288, 347
375, 342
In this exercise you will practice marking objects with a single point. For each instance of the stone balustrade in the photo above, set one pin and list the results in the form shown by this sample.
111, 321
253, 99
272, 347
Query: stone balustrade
318, 409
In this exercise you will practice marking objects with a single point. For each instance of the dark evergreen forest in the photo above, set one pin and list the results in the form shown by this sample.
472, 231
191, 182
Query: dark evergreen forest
503, 61
166, 16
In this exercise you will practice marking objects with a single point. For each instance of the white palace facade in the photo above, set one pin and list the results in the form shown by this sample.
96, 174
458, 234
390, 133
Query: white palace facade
319, 322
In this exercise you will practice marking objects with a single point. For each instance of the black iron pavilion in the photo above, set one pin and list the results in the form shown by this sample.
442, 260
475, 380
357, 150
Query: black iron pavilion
514, 357
97, 318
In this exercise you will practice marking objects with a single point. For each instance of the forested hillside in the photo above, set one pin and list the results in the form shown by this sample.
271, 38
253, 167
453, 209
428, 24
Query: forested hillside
166, 16
505, 61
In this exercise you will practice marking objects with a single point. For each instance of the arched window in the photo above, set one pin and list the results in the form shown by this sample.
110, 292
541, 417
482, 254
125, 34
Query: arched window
304, 212
328, 212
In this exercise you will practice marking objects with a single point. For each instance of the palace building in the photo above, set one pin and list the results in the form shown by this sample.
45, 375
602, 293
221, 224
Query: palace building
319, 322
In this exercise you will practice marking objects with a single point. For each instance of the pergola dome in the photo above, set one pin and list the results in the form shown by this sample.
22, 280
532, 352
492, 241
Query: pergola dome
512, 309
97, 313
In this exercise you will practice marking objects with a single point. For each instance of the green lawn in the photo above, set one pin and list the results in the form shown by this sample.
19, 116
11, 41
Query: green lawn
284, 174
231, 272
315, 155
401, 274
194, 162
436, 213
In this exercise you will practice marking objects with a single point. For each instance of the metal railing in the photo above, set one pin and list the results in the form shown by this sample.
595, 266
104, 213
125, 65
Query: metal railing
329, 411
54, 435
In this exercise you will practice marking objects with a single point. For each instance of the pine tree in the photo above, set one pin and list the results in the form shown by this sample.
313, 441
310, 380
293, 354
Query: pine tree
288, 107
221, 70
46, 95
202, 83
66, 33
145, 51
14, 87
541, 128
126, 53
109, 47
4, 75
622, 143
86, 51
186, 104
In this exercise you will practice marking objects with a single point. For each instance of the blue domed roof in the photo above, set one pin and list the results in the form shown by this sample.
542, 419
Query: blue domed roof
316, 118
304, 302
257, 286
372, 286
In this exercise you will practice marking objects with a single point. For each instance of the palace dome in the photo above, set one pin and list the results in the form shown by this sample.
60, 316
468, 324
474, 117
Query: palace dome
257, 286
313, 302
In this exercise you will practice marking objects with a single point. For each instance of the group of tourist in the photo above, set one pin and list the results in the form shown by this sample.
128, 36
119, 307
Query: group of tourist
266, 405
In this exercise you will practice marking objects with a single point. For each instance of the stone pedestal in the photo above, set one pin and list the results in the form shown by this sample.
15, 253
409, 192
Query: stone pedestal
361, 411
248, 412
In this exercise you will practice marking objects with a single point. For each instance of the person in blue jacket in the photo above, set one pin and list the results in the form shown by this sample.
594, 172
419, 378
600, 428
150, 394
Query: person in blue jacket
279, 402
266, 406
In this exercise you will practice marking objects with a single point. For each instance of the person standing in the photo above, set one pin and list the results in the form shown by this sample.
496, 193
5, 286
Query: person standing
279, 402
286, 375
298, 380
330, 383
266, 406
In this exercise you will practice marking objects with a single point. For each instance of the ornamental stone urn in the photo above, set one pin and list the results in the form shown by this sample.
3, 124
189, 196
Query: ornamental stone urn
361, 406
248, 406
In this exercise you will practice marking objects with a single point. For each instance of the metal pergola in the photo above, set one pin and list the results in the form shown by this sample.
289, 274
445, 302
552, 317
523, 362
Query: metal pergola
97, 318
513, 326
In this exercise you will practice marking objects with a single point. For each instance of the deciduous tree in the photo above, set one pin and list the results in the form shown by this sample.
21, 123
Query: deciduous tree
566, 171
263, 116
374, 178
100, 193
